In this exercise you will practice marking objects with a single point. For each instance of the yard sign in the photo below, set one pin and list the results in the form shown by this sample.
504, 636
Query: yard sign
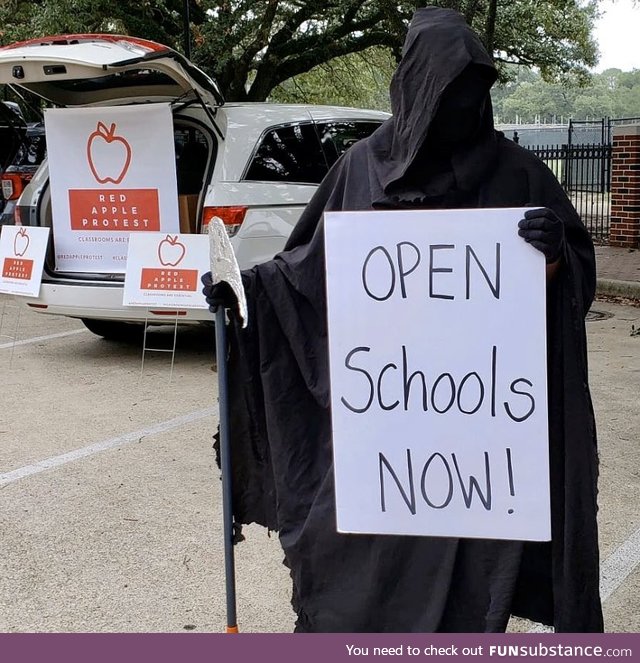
22, 254
112, 172
438, 374
164, 270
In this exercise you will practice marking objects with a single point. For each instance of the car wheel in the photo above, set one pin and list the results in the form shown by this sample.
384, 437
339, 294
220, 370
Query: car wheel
115, 331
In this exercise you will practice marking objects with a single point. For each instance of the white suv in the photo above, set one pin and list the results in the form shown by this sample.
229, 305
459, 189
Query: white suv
253, 165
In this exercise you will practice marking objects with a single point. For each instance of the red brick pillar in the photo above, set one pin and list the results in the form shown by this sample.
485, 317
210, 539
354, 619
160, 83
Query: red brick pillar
624, 229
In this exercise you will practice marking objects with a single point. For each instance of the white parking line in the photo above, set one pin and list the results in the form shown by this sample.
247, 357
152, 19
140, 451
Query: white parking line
26, 341
619, 565
127, 438
613, 571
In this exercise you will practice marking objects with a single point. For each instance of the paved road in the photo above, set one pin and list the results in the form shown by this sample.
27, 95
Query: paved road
110, 500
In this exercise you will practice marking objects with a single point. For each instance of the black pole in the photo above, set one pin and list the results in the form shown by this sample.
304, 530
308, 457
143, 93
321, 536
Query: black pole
187, 30
225, 464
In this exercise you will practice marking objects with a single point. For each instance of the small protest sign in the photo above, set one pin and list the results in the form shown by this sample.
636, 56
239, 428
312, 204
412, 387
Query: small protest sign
22, 254
164, 270
437, 342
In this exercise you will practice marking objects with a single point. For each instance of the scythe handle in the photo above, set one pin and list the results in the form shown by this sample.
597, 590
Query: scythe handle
225, 466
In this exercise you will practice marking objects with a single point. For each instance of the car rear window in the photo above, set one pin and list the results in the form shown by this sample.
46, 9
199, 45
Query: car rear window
289, 154
304, 152
338, 137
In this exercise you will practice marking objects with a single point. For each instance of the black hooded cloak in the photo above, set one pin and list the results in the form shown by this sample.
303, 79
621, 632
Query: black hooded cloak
280, 418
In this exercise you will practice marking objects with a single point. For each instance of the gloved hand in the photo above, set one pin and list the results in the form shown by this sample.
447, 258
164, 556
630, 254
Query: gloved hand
544, 230
218, 294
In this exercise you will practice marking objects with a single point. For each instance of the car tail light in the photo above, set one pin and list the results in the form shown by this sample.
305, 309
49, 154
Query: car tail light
13, 184
232, 217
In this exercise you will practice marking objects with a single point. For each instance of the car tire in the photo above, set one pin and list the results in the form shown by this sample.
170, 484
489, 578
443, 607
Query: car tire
115, 331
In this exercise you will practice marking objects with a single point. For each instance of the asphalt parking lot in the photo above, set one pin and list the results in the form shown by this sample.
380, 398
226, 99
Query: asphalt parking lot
110, 517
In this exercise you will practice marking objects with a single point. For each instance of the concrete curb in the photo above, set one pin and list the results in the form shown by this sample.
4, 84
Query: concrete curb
612, 288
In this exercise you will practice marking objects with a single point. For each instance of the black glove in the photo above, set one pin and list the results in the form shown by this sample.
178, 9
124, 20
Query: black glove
218, 294
544, 230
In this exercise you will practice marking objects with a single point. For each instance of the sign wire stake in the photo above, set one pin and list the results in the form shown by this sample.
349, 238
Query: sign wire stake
172, 350
12, 337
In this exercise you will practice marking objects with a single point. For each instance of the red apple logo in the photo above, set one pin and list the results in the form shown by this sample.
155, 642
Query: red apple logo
109, 155
171, 251
21, 242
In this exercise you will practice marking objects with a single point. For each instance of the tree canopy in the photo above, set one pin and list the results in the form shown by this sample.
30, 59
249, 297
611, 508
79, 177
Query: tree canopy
612, 93
251, 47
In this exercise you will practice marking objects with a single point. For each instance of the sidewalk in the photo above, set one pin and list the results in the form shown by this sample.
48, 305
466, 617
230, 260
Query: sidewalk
618, 272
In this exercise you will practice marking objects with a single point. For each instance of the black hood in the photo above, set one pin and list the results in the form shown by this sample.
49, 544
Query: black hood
439, 47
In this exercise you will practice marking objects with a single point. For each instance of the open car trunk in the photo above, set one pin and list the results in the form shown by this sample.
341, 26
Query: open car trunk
86, 70
77, 71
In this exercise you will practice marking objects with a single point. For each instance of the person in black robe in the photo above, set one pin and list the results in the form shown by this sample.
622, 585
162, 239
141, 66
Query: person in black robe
438, 150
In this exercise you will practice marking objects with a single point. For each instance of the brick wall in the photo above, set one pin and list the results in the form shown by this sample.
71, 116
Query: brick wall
624, 227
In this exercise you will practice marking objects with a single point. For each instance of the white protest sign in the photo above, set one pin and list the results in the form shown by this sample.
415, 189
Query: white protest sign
112, 172
22, 253
437, 342
164, 270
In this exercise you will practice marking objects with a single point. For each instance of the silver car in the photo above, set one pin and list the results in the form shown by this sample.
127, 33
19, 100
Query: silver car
255, 166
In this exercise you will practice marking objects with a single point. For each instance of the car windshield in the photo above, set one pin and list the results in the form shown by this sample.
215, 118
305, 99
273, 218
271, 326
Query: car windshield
33, 148
11, 132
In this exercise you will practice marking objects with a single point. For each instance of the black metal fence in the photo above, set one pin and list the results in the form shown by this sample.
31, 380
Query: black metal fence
584, 171
582, 164
596, 131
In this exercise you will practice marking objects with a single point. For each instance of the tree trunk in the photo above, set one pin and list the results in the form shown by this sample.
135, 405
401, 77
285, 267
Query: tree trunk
490, 26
